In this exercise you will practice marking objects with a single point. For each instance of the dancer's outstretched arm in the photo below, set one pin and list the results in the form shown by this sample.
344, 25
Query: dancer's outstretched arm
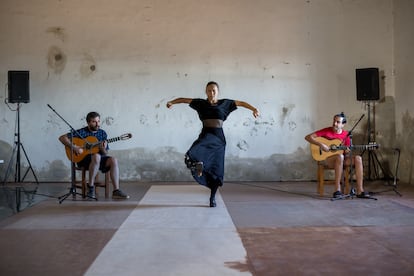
178, 101
255, 111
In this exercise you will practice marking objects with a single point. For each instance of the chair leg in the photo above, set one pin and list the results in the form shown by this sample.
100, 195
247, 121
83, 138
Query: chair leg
84, 183
346, 176
97, 183
107, 179
321, 180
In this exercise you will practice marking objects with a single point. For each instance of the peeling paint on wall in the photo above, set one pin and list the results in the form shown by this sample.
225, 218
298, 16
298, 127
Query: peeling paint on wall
56, 59
153, 58
88, 66
165, 163
52, 122
58, 32
55, 170
286, 111
406, 145
292, 126
5, 154
243, 145
143, 120
108, 120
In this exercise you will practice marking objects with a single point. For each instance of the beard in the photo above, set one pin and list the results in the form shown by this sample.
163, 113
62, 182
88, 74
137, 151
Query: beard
93, 128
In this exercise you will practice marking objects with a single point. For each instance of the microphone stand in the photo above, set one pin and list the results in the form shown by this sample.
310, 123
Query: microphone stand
72, 189
352, 192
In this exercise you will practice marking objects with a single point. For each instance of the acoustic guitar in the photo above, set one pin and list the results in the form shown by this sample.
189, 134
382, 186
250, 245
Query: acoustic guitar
90, 145
335, 148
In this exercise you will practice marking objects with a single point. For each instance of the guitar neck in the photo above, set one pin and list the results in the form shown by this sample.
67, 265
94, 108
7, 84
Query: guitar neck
353, 147
113, 139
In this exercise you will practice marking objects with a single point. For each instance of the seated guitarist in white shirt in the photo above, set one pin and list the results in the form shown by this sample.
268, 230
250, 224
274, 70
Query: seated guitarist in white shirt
340, 158
96, 159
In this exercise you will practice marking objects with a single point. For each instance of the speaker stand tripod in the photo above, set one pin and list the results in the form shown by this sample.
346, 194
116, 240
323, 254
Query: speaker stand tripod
394, 178
375, 164
18, 146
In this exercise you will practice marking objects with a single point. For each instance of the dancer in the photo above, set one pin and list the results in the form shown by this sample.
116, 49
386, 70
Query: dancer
205, 158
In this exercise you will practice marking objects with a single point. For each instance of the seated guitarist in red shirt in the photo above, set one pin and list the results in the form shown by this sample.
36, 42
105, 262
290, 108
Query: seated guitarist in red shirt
340, 158
96, 158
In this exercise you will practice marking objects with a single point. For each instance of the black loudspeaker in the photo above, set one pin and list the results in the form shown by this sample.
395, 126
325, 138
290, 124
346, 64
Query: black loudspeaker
367, 84
19, 87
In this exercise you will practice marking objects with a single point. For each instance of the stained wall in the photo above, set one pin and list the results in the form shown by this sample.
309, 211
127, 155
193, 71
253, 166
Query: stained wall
294, 60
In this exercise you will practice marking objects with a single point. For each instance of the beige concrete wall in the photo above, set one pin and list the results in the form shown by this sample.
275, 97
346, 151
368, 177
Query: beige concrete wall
404, 86
294, 60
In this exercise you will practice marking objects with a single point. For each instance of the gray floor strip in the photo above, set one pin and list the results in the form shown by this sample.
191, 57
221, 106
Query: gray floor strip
174, 232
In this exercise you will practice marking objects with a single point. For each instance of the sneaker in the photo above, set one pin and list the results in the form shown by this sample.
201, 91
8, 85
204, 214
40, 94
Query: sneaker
337, 194
118, 194
199, 168
363, 195
91, 192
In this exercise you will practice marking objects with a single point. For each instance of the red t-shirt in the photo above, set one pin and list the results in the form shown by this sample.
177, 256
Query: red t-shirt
328, 133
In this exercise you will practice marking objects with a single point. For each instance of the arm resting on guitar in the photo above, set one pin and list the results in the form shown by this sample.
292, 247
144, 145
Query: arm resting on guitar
311, 138
64, 139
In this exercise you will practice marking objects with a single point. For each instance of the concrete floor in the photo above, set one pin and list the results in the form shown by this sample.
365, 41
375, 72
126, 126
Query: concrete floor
270, 228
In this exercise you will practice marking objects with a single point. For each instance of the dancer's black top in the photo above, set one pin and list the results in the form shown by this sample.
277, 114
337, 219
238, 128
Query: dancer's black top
210, 146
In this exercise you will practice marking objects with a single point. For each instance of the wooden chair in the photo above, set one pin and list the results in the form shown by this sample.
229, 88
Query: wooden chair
82, 183
322, 167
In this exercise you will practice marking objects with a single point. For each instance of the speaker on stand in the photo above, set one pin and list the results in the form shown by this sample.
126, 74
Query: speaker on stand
19, 87
367, 84
368, 90
19, 92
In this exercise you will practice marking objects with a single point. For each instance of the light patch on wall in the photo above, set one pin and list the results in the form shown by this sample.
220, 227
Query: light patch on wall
56, 59
88, 66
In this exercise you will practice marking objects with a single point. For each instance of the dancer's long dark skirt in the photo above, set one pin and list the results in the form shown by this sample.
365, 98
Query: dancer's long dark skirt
209, 148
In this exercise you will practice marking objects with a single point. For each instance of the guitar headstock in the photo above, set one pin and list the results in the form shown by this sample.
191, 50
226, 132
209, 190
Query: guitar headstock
125, 136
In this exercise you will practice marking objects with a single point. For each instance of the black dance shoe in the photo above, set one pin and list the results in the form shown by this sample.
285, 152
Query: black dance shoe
212, 202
